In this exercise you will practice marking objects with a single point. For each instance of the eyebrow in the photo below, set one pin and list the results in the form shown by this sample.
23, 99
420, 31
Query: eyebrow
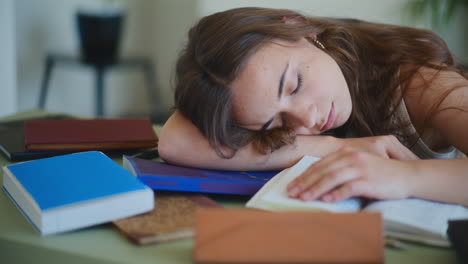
280, 92
281, 83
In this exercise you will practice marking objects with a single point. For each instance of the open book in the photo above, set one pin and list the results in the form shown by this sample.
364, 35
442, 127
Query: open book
408, 219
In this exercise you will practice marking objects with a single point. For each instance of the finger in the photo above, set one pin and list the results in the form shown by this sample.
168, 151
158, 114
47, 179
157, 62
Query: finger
328, 182
396, 150
312, 174
320, 165
348, 190
401, 153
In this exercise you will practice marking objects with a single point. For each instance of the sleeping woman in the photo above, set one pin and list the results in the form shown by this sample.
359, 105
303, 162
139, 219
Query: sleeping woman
386, 107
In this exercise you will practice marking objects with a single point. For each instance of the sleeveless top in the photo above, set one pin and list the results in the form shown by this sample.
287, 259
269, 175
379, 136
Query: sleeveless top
420, 148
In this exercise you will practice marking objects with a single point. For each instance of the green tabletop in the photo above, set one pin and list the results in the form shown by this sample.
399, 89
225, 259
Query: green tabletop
20, 243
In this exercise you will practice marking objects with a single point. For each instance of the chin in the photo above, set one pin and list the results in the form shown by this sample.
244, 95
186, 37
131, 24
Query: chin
341, 121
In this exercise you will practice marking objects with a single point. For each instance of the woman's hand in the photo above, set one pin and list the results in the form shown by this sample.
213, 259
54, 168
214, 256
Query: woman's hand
348, 173
385, 146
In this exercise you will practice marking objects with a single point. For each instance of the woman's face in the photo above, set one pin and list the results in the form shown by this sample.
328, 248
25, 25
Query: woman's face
293, 84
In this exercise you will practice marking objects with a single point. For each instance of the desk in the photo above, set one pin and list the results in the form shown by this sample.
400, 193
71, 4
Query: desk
19, 243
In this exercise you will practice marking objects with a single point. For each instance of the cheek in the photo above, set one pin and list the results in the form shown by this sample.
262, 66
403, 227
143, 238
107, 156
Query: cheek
251, 110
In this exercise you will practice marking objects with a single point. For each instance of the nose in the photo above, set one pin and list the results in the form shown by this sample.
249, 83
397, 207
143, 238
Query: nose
303, 115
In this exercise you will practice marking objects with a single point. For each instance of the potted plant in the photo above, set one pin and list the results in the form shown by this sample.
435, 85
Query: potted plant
441, 12
100, 30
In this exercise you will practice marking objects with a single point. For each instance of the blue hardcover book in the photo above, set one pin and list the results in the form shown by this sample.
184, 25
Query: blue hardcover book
73, 191
163, 176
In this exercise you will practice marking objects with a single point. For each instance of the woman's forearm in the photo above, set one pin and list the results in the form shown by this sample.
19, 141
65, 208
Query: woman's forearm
440, 180
182, 143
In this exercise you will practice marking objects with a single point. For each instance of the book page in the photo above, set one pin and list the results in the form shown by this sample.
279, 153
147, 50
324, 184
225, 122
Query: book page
421, 218
273, 195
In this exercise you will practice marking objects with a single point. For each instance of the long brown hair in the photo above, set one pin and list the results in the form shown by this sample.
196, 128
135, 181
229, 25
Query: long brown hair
368, 54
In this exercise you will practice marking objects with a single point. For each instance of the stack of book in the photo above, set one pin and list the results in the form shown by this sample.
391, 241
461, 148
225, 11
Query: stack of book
69, 183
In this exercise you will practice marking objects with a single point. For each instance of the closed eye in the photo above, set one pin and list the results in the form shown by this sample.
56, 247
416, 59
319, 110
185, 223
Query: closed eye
299, 84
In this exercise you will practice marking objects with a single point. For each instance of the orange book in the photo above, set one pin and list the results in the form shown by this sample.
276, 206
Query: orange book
88, 134
254, 236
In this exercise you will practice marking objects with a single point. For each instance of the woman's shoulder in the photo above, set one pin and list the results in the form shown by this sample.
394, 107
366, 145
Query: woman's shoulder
430, 87
437, 100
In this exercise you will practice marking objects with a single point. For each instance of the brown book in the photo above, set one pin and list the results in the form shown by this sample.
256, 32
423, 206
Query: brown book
254, 236
173, 218
89, 134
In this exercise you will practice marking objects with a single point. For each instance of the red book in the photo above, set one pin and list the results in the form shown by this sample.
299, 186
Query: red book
89, 134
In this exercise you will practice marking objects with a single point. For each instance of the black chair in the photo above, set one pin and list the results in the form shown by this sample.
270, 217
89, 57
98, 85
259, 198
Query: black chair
100, 71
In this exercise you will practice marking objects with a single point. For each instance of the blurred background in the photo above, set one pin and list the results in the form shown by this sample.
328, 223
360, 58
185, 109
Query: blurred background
156, 31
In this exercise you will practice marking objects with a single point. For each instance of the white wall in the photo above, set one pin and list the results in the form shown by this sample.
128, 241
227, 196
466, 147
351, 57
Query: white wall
7, 58
157, 29
382, 11
171, 19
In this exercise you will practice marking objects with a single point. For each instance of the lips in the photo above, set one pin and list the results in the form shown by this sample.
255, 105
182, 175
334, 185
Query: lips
330, 119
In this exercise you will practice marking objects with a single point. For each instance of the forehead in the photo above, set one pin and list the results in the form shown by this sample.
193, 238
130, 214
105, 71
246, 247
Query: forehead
255, 90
